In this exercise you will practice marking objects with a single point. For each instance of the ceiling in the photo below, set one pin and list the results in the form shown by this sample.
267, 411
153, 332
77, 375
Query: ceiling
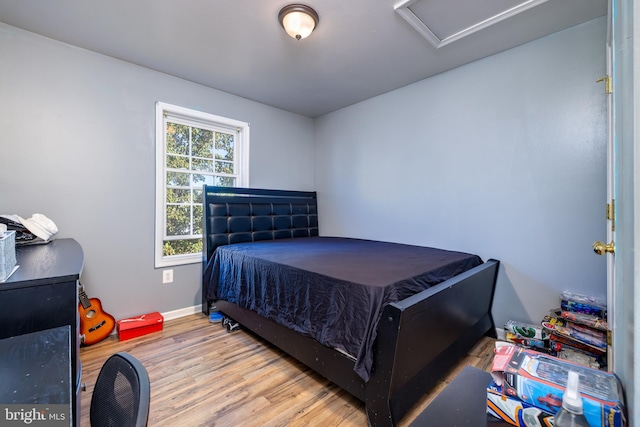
360, 48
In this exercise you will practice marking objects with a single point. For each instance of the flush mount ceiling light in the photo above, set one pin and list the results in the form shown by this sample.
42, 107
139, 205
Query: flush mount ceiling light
298, 20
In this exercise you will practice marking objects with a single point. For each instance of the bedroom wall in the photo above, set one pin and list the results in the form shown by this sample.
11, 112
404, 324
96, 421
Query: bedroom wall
504, 157
78, 145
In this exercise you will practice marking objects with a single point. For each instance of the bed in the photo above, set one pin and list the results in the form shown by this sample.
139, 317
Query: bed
411, 312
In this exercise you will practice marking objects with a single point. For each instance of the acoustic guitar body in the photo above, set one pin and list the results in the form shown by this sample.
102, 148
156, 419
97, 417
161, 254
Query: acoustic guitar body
95, 323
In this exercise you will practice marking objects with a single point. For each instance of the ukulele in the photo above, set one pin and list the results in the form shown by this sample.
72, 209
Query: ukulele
95, 323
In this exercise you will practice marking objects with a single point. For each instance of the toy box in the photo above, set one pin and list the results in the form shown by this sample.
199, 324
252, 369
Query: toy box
558, 317
514, 411
526, 330
140, 325
524, 379
583, 304
540, 345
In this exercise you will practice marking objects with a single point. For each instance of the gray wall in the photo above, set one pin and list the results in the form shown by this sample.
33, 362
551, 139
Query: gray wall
504, 157
78, 145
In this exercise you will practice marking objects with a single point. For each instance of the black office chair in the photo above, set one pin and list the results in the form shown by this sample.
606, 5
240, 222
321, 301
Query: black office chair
121, 395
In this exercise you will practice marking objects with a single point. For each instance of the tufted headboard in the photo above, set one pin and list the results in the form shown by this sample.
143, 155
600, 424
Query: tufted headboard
237, 215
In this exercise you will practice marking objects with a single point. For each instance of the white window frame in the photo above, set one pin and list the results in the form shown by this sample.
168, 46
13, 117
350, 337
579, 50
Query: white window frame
199, 119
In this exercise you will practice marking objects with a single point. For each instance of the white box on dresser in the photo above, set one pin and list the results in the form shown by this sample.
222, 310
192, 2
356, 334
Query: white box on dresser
7, 253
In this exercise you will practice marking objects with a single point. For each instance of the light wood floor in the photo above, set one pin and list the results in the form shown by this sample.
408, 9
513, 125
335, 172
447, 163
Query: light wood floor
203, 376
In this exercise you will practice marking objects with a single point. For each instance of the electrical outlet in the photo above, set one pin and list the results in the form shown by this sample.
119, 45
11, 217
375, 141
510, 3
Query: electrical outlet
167, 276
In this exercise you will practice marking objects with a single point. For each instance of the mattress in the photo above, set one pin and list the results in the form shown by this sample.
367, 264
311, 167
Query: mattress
329, 288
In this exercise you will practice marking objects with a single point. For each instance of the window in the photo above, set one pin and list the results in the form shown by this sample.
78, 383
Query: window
192, 149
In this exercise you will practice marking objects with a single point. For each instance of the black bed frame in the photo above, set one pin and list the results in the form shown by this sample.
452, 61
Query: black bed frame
418, 339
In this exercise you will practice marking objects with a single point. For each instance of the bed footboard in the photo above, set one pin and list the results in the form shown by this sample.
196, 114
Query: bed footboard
423, 336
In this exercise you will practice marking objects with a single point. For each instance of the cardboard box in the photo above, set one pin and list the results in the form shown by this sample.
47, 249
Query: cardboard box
524, 378
140, 325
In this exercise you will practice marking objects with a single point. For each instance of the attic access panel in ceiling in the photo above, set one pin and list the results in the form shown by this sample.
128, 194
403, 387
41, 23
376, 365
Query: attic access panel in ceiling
441, 24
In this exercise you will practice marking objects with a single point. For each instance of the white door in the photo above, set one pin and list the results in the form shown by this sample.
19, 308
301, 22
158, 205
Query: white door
608, 248
619, 199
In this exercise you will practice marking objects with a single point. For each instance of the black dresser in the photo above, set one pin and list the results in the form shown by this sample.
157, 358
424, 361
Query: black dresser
43, 294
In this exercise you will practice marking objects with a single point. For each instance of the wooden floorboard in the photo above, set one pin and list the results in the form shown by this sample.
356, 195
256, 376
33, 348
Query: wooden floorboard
203, 376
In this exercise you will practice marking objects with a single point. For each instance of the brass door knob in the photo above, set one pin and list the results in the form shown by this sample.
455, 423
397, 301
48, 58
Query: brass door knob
602, 248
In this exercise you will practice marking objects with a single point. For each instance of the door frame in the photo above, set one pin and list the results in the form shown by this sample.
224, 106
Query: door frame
625, 20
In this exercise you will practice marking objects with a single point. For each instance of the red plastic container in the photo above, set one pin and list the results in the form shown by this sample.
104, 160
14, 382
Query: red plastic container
140, 325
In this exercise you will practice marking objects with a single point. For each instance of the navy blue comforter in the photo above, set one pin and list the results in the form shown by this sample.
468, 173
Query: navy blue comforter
331, 289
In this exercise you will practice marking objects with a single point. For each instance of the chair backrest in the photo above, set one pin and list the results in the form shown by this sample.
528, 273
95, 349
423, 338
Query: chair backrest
121, 395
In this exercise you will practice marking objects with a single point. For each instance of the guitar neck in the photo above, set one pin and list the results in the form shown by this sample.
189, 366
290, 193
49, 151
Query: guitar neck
84, 300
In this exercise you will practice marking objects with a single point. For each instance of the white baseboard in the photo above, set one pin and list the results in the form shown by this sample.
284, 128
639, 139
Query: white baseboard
501, 334
182, 312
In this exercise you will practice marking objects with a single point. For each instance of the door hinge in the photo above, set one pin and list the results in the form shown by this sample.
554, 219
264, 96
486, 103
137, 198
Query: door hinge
611, 214
609, 338
608, 86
